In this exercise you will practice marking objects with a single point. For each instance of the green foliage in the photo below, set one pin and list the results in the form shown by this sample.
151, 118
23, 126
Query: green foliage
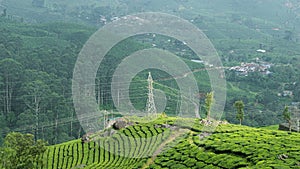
239, 105
229, 146
35, 78
37, 60
287, 116
272, 127
208, 103
21, 151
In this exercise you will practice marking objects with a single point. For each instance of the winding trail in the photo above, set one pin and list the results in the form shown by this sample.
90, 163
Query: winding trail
171, 138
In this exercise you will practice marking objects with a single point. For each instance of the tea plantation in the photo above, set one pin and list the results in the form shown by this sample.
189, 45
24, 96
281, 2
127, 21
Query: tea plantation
170, 142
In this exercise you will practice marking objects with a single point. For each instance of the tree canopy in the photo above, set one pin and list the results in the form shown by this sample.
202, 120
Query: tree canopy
208, 103
239, 105
20, 151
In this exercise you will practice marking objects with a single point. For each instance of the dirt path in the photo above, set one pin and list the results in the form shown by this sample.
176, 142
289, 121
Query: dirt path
193, 71
171, 138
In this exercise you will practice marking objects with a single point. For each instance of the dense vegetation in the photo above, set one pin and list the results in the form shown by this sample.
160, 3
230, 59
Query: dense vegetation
37, 60
229, 146
39, 45
35, 78
21, 151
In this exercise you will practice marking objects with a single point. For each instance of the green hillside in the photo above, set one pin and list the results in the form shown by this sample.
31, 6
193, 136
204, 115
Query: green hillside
47, 53
257, 42
170, 142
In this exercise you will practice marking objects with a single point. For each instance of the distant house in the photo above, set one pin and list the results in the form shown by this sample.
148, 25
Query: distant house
287, 93
103, 19
245, 68
297, 104
197, 61
114, 18
261, 51
267, 72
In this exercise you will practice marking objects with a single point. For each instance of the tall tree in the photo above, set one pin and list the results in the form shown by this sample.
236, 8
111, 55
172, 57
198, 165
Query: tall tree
37, 92
288, 35
287, 116
34, 97
10, 73
4, 13
239, 105
21, 151
208, 103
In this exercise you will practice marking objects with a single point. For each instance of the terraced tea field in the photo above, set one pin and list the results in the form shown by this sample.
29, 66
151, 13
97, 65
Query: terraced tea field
160, 145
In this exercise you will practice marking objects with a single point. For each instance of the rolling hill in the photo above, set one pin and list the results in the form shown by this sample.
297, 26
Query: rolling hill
173, 142
39, 47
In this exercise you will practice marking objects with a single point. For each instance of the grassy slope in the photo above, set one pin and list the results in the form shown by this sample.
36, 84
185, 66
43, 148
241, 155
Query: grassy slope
229, 146
272, 127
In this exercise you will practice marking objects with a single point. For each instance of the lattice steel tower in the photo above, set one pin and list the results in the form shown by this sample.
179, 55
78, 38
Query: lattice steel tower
151, 109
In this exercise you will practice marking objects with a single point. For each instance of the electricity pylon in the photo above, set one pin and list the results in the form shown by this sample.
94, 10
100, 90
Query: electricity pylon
151, 109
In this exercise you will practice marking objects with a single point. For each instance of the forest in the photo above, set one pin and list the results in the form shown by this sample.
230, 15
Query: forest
37, 62
257, 42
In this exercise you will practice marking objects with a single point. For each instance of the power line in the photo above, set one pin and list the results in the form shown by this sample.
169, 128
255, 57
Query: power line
151, 109
151, 105
63, 121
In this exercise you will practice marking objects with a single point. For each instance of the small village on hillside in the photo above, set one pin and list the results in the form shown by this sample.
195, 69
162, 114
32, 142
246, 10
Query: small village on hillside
257, 66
